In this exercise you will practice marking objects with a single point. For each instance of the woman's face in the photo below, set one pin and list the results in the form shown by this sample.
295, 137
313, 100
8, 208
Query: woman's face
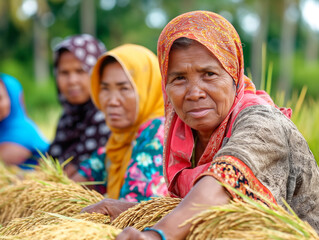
4, 102
117, 97
73, 81
199, 88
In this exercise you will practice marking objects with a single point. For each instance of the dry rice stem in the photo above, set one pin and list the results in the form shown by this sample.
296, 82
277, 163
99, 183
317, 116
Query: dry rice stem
30, 196
69, 230
147, 213
8, 175
19, 225
241, 220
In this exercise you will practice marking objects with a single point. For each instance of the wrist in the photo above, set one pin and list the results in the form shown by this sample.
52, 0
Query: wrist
155, 232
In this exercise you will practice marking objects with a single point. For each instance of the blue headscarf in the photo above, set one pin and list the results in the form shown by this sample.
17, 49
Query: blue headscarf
18, 127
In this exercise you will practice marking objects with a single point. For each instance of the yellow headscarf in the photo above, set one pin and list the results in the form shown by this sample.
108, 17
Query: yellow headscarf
141, 67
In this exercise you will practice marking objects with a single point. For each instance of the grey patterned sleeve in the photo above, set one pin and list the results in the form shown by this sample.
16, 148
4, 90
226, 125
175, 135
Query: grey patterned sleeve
279, 156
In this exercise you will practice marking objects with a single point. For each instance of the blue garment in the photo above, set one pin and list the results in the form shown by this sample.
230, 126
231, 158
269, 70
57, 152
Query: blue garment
18, 127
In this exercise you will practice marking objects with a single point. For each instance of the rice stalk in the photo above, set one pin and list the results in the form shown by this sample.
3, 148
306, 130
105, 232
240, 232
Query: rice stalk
49, 169
66, 229
19, 225
30, 196
249, 219
8, 174
146, 214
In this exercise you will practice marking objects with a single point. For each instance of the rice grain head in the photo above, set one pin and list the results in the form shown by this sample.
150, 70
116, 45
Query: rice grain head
19, 225
146, 214
249, 219
30, 196
8, 174
65, 229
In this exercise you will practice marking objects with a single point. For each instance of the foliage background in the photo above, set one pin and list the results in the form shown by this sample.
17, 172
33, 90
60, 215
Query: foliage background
30, 29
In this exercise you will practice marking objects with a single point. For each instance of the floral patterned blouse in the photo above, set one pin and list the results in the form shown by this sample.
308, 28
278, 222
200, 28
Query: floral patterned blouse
144, 176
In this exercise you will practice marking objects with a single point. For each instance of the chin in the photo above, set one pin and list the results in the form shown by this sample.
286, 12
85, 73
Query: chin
77, 101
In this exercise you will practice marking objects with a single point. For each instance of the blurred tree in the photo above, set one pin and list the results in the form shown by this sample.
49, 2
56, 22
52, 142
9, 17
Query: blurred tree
287, 45
88, 17
259, 38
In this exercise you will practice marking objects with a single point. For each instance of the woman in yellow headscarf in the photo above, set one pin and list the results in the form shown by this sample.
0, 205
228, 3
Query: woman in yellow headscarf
126, 87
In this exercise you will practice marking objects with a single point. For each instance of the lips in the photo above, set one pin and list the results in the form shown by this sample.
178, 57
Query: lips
74, 92
198, 113
114, 116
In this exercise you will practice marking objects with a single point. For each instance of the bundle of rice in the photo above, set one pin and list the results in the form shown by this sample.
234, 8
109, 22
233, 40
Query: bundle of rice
249, 219
69, 229
49, 169
8, 174
146, 214
19, 225
30, 196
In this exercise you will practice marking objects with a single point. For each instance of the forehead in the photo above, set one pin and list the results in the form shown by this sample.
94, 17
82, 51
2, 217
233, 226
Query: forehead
196, 54
67, 58
114, 73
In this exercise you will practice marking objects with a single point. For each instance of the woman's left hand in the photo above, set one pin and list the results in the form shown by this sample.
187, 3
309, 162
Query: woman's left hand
130, 233
111, 207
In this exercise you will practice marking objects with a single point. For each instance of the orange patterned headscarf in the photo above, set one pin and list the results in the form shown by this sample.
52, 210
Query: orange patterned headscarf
141, 67
221, 39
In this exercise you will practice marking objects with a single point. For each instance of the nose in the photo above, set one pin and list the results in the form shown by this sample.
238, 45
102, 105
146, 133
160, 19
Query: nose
195, 92
113, 99
73, 78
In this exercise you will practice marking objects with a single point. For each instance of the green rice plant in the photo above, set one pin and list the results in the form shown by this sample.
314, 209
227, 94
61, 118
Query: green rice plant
49, 169
305, 111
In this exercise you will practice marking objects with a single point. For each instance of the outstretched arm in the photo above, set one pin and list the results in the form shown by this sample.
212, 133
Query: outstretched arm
207, 191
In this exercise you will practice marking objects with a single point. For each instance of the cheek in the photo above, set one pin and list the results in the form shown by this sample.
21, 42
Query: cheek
61, 84
174, 96
102, 98
131, 106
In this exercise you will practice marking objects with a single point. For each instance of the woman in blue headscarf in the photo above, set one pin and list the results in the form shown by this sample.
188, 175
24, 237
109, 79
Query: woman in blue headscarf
20, 138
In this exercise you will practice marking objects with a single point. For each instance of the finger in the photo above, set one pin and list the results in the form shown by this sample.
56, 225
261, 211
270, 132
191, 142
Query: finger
130, 233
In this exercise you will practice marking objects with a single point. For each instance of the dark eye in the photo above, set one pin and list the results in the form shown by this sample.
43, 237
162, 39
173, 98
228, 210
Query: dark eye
103, 87
124, 88
178, 78
209, 74
80, 71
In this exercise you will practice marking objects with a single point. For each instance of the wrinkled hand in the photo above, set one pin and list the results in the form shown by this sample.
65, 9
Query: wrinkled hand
130, 233
111, 207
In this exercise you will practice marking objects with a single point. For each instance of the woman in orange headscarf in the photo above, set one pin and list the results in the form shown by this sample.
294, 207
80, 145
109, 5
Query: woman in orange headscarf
218, 128
126, 87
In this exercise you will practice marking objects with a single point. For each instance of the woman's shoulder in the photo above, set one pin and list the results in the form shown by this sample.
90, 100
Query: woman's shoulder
267, 121
153, 128
265, 115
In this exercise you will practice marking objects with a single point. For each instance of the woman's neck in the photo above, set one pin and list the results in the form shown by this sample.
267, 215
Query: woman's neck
202, 141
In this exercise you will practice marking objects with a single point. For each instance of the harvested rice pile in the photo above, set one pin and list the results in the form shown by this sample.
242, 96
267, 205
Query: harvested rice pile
8, 174
47, 206
146, 214
242, 220
66, 229
31, 196
19, 225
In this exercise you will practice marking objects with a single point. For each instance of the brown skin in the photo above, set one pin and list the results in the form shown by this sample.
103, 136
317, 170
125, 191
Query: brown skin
202, 93
118, 102
111, 207
73, 81
200, 90
14, 154
117, 97
74, 84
